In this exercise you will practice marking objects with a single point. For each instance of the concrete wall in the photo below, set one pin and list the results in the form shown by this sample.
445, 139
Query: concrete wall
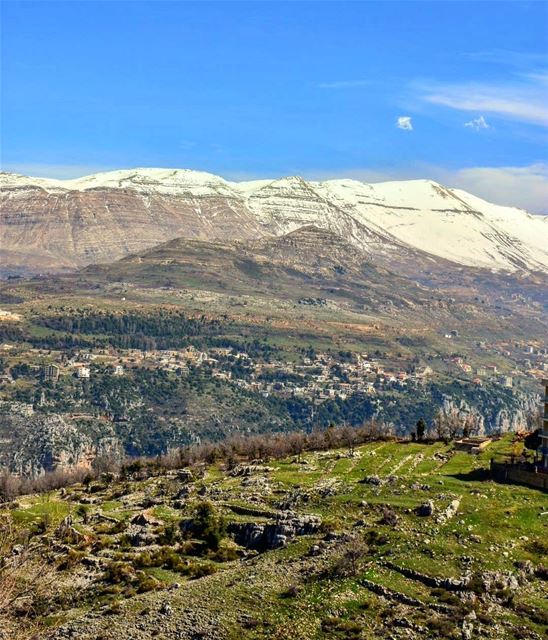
513, 474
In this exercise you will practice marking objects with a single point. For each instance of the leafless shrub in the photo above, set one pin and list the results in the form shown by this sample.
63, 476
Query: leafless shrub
451, 423
24, 582
236, 448
348, 562
12, 485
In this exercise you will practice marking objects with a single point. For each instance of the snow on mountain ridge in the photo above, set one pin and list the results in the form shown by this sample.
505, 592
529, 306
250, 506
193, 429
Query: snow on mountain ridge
163, 181
379, 217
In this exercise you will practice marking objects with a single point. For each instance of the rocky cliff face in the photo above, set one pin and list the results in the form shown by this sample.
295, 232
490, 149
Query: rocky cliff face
44, 231
497, 414
33, 443
54, 225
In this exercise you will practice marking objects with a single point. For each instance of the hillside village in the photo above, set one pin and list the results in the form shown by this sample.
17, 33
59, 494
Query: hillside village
273, 320
316, 376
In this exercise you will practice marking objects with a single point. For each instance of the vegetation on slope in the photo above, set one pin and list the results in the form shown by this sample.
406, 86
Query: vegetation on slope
381, 540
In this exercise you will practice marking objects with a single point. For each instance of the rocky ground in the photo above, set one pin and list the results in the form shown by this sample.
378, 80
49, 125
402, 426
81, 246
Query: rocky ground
390, 541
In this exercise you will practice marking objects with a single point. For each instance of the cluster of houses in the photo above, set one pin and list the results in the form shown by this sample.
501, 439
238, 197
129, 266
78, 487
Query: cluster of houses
528, 361
82, 370
320, 377
481, 372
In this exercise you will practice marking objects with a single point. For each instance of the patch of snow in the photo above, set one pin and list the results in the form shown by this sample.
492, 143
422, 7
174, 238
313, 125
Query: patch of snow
422, 214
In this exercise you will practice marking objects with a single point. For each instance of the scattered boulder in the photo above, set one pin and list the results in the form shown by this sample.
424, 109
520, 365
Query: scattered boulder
416, 486
275, 534
64, 526
140, 536
389, 517
144, 519
182, 494
66, 531
375, 480
249, 469
426, 509
450, 511
185, 475
492, 581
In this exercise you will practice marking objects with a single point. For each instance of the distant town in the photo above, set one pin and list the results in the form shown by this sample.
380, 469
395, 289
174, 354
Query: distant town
316, 376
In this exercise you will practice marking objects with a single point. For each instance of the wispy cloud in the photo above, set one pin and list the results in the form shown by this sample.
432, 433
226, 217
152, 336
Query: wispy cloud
404, 122
477, 124
508, 57
524, 187
344, 84
525, 100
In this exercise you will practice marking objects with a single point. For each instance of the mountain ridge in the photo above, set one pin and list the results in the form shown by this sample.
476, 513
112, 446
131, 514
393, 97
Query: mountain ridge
51, 225
309, 261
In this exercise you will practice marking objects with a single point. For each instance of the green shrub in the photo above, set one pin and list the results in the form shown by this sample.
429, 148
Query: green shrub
442, 595
444, 628
119, 573
83, 512
375, 539
208, 525
348, 629
117, 528
225, 554
146, 583
199, 570
169, 534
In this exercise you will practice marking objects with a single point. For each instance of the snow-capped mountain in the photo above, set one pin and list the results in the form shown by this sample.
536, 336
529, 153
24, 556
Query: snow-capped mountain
52, 224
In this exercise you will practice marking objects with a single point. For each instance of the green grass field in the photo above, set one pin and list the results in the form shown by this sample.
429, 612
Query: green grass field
287, 592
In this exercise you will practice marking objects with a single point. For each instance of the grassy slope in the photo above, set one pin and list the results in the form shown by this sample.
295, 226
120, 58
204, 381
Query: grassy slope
246, 599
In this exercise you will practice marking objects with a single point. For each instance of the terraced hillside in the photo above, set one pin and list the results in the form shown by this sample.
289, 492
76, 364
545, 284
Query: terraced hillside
391, 540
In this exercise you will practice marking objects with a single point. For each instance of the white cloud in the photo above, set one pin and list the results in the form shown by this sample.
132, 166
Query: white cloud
524, 187
404, 122
525, 100
477, 124
344, 84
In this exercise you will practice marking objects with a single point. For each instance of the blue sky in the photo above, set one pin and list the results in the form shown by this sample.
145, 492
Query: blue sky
455, 91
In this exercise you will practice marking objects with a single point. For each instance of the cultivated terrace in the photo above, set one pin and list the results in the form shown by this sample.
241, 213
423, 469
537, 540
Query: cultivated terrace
383, 539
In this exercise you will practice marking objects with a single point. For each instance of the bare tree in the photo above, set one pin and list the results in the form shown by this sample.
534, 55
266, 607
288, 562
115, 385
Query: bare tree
372, 429
471, 425
349, 560
448, 423
349, 438
296, 443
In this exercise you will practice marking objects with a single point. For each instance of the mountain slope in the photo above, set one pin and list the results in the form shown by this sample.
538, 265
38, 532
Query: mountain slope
55, 224
448, 223
309, 262
390, 540
49, 227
